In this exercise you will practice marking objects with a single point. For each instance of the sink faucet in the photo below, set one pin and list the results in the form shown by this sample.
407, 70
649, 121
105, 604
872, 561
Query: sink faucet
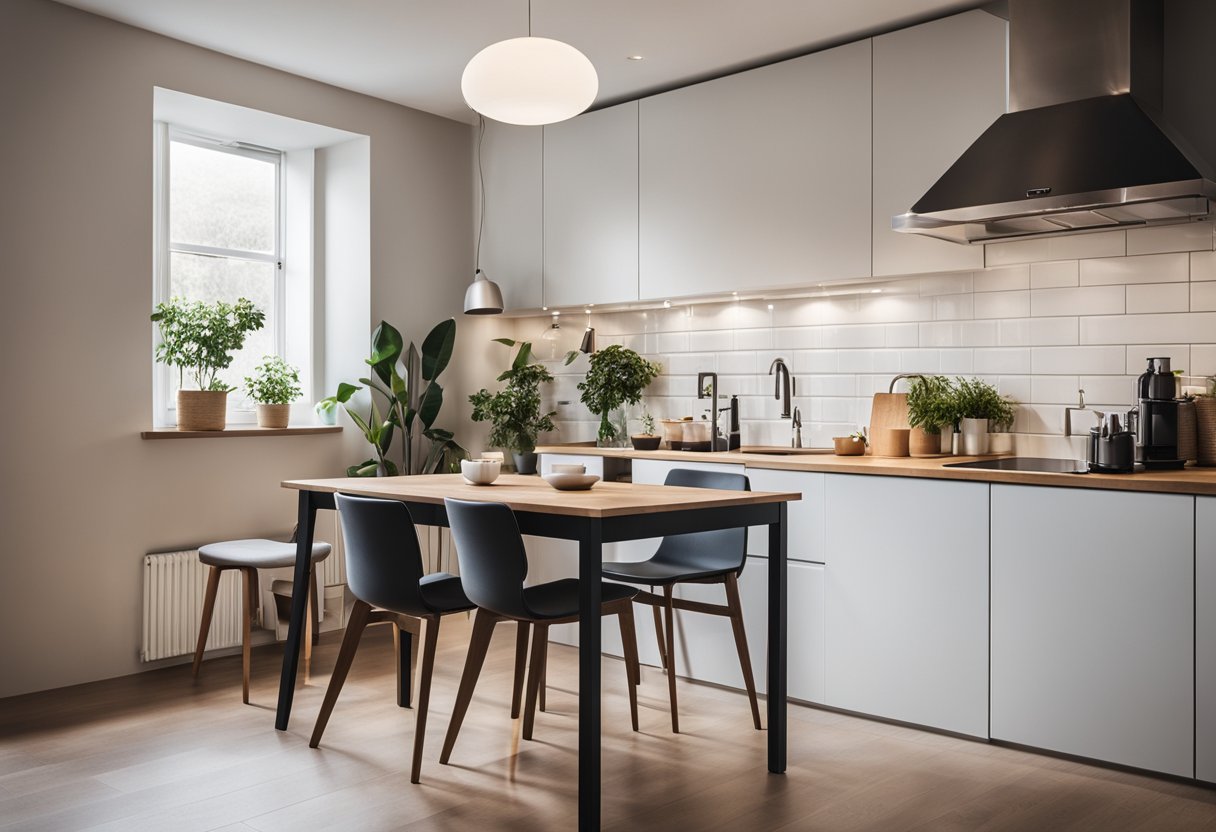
783, 385
714, 443
895, 380
1068, 411
796, 439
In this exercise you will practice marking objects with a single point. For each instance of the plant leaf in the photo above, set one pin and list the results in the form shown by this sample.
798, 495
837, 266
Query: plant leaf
345, 391
437, 349
366, 468
571, 357
432, 401
523, 356
508, 342
386, 349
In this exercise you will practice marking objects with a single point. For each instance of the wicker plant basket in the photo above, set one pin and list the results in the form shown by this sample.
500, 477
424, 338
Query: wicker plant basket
273, 415
202, 409
1205, 418
1188, 432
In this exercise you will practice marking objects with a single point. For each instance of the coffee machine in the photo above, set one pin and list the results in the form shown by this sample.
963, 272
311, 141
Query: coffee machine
1157, 417
1112, 446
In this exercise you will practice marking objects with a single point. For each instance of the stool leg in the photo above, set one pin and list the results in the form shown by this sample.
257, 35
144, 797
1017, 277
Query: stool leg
629, 640
479, 643
213, 585
521, 659
314, 605
430, 639
350, 643
745, 660
246, 625
658, 631
540, 641
544, 674
669, 611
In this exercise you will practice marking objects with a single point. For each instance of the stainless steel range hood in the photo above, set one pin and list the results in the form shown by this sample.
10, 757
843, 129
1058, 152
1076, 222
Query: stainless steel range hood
1084, 146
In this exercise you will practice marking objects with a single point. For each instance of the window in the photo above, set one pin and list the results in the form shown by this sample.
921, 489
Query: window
219, 236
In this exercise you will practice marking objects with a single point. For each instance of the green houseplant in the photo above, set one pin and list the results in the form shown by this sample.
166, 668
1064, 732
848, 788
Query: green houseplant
404, 397
514, 413
980, 406
618, 376
931, 407
648, 439
274, 385
199, 339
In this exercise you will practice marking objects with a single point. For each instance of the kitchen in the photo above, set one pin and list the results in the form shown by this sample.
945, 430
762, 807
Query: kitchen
712, 228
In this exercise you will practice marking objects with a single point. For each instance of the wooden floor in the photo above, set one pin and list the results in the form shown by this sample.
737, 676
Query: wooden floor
159, 752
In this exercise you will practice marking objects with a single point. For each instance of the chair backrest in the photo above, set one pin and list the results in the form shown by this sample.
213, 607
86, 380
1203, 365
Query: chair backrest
383, 558
721, 550
493, 561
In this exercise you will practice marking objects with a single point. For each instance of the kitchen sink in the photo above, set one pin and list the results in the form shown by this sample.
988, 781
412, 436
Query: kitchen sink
779, 450
1026, 463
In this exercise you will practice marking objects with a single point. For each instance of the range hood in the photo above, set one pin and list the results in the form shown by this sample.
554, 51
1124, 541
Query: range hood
1084, 146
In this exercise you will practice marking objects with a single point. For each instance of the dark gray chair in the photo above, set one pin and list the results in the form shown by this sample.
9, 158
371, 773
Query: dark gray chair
493, 566
384, 573
715, 557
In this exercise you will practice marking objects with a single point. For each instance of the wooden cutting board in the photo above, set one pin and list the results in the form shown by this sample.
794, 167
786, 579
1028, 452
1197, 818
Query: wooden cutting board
889, 410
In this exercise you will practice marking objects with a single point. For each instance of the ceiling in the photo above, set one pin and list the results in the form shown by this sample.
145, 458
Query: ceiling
412, 52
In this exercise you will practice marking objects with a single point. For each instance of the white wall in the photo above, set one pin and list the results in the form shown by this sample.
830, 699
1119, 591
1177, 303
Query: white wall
82, 497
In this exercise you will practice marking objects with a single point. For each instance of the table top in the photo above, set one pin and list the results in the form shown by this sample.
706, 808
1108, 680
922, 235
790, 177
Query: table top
523, 493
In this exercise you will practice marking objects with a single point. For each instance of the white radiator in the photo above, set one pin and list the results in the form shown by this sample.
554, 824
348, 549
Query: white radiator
174, 585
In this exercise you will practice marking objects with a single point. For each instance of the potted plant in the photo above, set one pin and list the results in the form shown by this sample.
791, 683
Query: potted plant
1205, 424
647, 440
199, 339
931, 407
979, 406
514, 413
274, 385
618, 376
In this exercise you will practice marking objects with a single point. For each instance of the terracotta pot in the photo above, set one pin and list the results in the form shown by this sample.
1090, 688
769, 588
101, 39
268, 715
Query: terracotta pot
274, 415
1205, 418
202, 409
924, 444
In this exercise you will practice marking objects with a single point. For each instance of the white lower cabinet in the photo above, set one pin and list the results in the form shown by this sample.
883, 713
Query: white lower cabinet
1205, 632
907, 600
804, 537
1093, 624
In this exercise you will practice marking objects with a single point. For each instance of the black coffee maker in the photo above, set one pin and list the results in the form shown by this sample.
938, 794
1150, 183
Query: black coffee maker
1157, 417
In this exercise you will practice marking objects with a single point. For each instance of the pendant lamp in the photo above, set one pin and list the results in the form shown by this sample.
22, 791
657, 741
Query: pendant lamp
587, 347
483, 297
529, 81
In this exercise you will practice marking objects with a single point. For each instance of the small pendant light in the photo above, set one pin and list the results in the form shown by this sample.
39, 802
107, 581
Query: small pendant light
483, 297
588, 345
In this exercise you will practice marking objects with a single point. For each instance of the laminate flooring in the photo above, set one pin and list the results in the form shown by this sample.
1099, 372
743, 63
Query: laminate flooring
158, 751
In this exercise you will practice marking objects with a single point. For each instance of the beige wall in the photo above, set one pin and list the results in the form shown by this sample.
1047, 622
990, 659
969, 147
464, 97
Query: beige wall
82, 497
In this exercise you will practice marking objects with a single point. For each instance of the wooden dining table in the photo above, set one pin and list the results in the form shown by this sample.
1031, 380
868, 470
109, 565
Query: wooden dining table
608, 513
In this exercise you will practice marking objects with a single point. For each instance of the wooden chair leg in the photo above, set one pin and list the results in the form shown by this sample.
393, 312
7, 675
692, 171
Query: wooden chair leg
658, 632
669, 615
314, 604
745, 659
346, 655
544, 674
204, 627
540, 641
431, 638
409, 628
521, 659
629, 640
246, 626
479, 643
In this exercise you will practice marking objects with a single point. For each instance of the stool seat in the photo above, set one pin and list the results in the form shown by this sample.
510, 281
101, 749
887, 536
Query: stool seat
256, 554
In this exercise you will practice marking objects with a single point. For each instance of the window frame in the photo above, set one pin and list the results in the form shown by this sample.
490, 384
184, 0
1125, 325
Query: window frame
165, 409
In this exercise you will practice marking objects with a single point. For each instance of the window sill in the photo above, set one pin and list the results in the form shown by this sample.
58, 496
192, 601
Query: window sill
238, 431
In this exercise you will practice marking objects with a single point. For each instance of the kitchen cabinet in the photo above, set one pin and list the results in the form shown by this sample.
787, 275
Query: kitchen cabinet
937, 87
906, 600
1205, 635
1093, 624
511, 242
806, 528
591, 208
758, 180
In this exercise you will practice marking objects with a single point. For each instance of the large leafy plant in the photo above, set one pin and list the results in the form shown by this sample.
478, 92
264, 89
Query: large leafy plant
618, 376
977, 399
932, 404
405, 398
274, 381
514, 413
199, 338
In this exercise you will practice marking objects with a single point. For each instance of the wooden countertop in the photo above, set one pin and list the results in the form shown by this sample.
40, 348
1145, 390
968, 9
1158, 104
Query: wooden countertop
1190, 480
522, 493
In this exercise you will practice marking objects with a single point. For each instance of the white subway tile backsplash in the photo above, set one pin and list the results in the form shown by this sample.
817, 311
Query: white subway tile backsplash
690, 363
1203, 360
1195, 327
1148, 268
672, 342
1002, 304
1203, 297
956, 361
1014, 333
946, 284
737, 362
855, 361
800, 338
886, 361
1003, 279
711, 341
1077, 360
1050, 332
1001, 360
813, 361
1056, 275
1015, 387
953, 307
1109, 388
1159, 297
1089, 300
919, 361
903, 335
863, 335
834, 385
1191, 236
1074, 247
1203, 265
963, 333
1137, 356
1054, 390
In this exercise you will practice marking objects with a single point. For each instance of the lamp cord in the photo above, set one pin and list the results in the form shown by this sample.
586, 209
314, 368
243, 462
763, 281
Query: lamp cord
481, 180
529, 18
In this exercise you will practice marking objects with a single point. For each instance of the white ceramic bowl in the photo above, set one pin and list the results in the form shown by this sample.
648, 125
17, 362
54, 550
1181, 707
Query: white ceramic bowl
480, 471
571, 482
569, 468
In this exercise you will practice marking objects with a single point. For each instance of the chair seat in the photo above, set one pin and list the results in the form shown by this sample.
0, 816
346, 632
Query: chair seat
659, 573
559, 599
443, 593
257, 553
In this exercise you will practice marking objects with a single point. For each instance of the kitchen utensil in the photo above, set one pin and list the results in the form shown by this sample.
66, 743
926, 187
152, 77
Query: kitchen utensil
571, 482
889, 441
888, 410
480, 471
848, 446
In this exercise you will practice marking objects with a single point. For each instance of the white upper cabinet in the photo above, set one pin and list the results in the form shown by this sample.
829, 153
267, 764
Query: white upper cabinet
937, 87
591, 208
758, 180
511, 243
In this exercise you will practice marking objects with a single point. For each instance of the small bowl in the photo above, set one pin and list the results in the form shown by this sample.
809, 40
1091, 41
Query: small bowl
480, 471
568, 468
848, 446
571, 482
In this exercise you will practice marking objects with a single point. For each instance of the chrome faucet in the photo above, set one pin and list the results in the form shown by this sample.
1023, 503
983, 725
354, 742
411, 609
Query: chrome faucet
895, 380
1068, 411
714, 443
783, 385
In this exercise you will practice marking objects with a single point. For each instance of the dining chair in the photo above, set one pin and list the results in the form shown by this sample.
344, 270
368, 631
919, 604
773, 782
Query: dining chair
249, 556
384, 572
712, 557
494, 566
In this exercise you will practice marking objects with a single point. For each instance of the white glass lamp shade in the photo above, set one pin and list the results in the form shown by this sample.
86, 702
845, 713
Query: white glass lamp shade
529, 81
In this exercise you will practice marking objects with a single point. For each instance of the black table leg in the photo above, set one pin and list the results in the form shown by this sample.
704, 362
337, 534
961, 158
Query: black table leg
776, 641
307, 522
590, 563
405, 666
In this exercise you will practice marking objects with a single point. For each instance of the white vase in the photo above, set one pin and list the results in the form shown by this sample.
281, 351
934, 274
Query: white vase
1000, 443
975, 437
